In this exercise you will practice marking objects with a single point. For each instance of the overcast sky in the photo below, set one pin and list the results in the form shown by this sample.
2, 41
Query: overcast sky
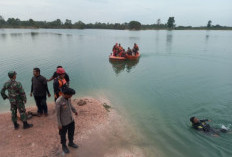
186, 12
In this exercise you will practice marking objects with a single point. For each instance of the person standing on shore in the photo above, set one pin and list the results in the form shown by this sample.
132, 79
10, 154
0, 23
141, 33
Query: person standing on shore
60, 83
39, 89
55, 75
17, 98
65, 120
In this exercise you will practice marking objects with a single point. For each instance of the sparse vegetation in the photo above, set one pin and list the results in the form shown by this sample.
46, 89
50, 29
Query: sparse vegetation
132, 25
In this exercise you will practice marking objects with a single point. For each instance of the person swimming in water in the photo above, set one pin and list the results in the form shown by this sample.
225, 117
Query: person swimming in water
201, 125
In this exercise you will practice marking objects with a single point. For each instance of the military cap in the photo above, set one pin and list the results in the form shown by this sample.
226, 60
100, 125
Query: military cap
11, 74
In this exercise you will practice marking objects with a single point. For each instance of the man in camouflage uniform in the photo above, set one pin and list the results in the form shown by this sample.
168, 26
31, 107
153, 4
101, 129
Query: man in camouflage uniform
17, 98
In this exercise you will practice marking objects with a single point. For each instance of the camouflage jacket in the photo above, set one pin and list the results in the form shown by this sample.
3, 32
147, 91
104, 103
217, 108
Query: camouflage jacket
15, 91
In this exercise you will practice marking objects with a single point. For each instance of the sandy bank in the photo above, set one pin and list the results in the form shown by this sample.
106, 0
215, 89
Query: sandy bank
98, 133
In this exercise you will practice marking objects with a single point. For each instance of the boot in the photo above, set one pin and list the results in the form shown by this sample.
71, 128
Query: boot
26, 125
16, 125
71, 144
65, 148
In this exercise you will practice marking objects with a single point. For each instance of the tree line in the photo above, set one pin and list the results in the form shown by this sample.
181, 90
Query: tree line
68, 24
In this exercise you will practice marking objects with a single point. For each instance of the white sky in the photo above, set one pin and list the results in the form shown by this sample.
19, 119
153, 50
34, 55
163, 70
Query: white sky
186, 12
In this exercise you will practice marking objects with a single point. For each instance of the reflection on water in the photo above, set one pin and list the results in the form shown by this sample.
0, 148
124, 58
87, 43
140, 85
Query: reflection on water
33, 34
157, 38
119, 66
169, 41
3, 36
207, 36
134, 38
69, 35
16, 35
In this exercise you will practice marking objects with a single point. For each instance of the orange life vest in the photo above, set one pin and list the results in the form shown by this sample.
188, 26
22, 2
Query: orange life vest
120, 48
62, 83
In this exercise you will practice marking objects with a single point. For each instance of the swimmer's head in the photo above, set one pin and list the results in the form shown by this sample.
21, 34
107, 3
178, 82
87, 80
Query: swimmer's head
194, 120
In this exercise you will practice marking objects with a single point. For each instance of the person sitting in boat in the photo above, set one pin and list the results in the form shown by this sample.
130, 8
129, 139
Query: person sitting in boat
115, 49
123, 53
201, 125
120, 50
120, 53
129, 52
135, 49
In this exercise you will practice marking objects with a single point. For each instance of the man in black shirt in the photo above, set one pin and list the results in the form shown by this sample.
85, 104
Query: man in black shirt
55, 75
201, 125
39, 89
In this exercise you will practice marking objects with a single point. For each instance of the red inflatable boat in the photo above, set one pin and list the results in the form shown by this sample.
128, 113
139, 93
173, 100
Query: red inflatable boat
111, 57
127, 57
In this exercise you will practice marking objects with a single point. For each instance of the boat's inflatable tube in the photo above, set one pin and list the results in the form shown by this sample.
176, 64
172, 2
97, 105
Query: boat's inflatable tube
111, 57
127, 57
130, 57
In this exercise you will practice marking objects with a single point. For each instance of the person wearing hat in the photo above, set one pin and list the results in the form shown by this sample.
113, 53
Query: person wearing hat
55, 75
17, 98
65, 120
59, 83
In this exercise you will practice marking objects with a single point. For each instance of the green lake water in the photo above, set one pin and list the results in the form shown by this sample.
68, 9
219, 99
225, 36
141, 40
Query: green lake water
180, 74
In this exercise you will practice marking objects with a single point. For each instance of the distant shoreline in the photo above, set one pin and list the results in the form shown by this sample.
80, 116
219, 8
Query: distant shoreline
206, 29
132, 25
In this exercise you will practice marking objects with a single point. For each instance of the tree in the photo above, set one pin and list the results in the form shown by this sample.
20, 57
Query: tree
68, 23
31, 22
171, 23
55, 24
217, 26
1, 18
2, 21
209, 24
13, 22
79, 25
158, 22
117, 26
134, 25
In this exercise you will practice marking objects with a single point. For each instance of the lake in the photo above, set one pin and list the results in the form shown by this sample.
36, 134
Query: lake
179, 74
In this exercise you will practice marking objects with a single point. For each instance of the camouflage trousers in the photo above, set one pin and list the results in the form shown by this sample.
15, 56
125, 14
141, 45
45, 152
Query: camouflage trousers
22, 111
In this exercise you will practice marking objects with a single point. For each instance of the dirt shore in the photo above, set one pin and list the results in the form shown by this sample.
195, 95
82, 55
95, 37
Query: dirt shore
100, 132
